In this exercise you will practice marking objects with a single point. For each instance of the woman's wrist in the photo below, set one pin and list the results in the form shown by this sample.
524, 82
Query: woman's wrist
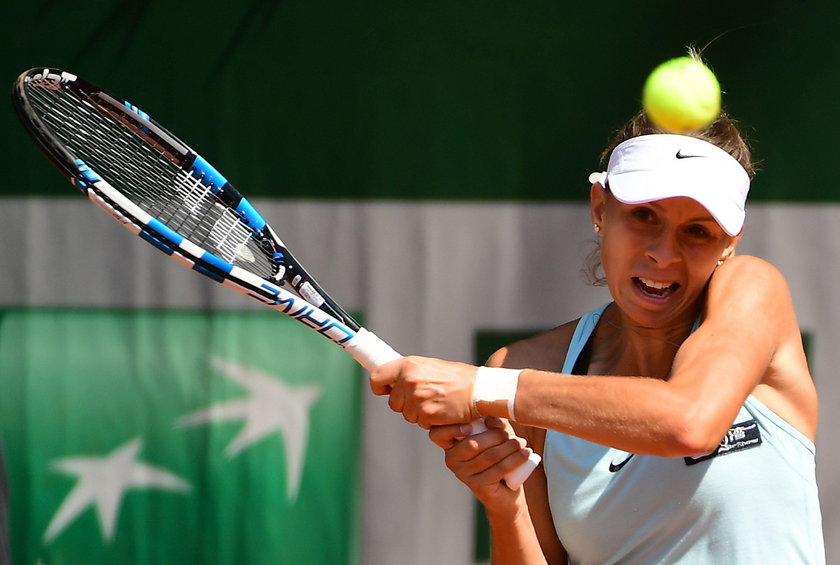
494, 392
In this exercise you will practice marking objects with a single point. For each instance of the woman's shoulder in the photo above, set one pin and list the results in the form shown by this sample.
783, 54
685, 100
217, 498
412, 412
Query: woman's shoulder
746, 266
743, 276
544, 351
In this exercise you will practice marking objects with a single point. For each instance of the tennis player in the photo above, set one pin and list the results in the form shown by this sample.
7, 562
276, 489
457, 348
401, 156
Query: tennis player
677, 422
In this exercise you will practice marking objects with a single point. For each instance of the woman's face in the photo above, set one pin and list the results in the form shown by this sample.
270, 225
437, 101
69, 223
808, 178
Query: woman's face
659, 256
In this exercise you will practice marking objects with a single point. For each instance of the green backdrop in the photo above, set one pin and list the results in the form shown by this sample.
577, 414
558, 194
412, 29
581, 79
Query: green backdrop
475, 99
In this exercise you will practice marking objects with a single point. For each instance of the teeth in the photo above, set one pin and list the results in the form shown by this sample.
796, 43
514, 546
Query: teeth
656, 288
655, 284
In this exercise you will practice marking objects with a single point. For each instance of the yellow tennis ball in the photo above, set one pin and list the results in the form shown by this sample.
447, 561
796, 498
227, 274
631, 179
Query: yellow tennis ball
681, 95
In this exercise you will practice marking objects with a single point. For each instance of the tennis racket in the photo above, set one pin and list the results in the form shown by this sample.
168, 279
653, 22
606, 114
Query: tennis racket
159, 188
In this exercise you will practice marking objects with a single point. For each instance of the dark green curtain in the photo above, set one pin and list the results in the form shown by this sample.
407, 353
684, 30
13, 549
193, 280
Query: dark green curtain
429, 100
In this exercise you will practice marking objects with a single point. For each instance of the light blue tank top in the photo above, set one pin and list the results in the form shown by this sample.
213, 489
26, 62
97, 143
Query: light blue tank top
754, 501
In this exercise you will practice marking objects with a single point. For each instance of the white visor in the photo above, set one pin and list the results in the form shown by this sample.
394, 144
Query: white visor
655, 167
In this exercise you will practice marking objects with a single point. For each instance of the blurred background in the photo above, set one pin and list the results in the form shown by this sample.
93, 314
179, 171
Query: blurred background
428, 161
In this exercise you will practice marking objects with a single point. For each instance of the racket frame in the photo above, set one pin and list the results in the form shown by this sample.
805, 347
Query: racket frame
328, 317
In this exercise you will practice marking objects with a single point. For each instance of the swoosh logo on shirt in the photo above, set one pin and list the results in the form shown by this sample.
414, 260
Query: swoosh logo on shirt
616, 467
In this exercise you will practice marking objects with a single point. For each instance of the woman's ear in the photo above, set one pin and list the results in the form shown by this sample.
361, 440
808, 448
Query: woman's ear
597, 204
729, 251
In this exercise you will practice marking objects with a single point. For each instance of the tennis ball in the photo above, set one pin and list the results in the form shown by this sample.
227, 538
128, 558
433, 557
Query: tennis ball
681, 95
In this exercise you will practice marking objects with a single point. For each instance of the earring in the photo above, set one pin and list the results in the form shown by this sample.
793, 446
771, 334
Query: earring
597, 228
720, 262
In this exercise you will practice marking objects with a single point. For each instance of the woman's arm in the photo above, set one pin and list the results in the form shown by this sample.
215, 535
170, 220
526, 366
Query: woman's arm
748, 317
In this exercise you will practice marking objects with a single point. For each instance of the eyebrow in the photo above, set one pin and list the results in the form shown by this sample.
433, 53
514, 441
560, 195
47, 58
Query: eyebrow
657, 204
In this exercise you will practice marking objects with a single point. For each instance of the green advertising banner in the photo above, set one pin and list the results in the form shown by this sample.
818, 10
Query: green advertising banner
152, 436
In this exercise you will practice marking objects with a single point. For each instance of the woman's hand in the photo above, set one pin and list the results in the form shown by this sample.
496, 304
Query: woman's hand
428, 392
481, 461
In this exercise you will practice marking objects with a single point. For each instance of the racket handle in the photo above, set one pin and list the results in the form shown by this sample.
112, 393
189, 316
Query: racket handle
518, 476
371, 352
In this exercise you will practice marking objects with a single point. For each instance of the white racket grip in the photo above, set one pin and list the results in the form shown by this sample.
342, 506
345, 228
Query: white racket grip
518, 476
369, 351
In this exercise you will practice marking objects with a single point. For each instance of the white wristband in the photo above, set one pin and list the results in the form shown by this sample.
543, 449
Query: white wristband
493, 384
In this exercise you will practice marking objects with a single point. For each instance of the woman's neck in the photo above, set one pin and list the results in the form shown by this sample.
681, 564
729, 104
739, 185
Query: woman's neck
623, 348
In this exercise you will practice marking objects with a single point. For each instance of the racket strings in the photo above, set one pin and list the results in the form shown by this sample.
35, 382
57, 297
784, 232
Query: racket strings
114, 153
143, 172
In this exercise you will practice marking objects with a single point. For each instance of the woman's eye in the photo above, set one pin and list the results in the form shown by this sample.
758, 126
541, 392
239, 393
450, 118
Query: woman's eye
698, 231
643, 214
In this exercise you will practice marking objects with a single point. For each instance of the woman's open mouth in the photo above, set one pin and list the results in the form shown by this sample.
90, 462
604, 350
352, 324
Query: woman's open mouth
656, 289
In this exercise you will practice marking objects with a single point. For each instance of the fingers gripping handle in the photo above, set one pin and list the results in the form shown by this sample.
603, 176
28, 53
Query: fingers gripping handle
371, 352
515, 478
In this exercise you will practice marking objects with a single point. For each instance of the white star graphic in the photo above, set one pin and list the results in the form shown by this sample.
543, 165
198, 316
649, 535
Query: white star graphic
103, 481
272, 405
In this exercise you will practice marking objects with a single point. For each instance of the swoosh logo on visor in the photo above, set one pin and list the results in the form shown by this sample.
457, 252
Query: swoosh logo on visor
680, 155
